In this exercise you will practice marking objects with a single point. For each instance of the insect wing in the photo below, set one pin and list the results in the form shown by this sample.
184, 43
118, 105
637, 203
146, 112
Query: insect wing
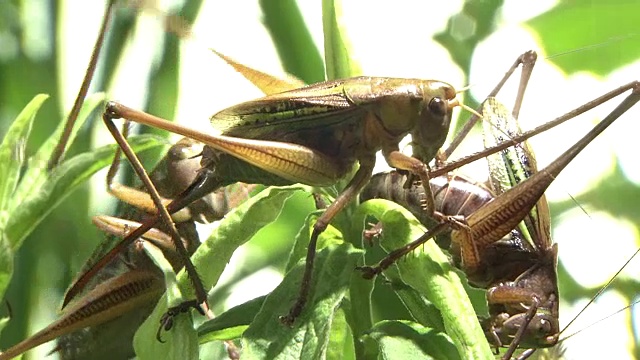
512, 166
269, 118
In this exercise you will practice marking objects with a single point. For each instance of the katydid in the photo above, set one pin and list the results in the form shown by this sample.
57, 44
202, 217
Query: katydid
515, 262
323, 130
123, 294
519, 271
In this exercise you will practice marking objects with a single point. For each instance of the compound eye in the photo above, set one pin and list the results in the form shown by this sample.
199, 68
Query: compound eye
437, 106
545, 327
542, 326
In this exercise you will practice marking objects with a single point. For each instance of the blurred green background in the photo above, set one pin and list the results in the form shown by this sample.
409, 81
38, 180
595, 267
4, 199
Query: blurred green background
586, 48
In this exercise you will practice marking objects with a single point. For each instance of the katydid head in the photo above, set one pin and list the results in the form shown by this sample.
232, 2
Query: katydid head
183, 162
541, 331
432, 127
177, 171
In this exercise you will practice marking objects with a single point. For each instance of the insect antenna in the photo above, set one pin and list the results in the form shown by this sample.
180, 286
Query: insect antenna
596, 295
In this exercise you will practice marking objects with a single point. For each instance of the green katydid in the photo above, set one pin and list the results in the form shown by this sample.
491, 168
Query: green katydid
349, 112
354, 121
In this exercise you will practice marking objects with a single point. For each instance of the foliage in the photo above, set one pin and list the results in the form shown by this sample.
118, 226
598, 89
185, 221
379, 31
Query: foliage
33, 283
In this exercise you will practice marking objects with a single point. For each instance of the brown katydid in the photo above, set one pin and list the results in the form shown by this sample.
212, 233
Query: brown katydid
509, 258
101, 321
518, 271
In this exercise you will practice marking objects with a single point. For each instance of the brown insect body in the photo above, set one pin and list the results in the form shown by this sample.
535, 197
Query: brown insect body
514, 261
510, 267
503, 261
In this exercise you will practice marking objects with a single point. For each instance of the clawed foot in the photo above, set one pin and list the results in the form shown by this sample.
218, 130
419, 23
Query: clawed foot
166, 321
369, 272
370, 234
293, 314
287, 320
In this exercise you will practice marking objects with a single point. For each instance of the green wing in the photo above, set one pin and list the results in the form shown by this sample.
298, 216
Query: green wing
324, 106
512, 166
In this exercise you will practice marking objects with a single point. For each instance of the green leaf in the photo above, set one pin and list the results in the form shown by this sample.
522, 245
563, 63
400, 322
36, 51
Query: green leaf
232, 323
238, 227
466, 29
583, 25
183, 342
337, 48
298, 53
180, 343
36, 172
6, 263
430, 273
407, 340
11, 163
213, 255
301, 242
64, 179
422, 310
340, 338
12, 150
267, 338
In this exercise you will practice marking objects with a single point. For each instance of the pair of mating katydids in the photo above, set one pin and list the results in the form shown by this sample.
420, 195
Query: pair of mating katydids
316, 135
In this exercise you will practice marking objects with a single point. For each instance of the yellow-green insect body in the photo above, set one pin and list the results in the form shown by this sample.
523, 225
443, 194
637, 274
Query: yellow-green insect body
342, 121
